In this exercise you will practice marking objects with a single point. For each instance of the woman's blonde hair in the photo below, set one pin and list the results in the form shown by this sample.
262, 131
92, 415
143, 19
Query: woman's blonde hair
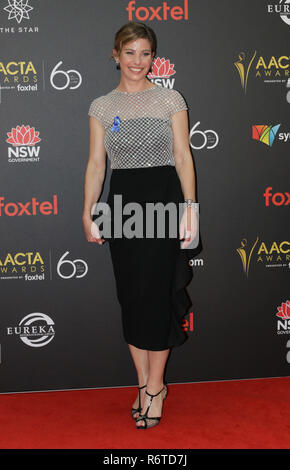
132, 31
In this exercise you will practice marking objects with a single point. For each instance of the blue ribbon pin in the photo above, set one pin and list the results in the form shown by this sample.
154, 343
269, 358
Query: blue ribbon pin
117, 121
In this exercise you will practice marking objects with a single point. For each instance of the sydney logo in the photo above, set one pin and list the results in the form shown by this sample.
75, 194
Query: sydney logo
265, 134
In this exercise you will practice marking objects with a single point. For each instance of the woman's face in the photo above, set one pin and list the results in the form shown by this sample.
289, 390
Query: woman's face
135, 59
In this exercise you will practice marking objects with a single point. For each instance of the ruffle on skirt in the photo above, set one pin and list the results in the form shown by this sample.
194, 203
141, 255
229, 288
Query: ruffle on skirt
141, 185
181, 302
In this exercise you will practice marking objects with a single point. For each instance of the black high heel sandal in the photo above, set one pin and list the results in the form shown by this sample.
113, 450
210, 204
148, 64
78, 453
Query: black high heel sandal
137, 410
145, 417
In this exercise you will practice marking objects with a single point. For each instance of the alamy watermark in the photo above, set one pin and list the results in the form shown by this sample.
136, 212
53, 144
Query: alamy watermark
165, 216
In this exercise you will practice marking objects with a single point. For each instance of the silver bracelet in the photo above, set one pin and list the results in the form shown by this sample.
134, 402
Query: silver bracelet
192, 203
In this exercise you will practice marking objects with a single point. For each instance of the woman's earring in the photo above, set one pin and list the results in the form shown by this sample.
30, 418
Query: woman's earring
118, 65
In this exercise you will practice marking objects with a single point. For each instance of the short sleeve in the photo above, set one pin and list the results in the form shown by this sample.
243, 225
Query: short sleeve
177, 102
97, 109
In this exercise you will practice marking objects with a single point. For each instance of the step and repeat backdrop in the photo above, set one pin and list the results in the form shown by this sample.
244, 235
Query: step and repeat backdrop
60, 317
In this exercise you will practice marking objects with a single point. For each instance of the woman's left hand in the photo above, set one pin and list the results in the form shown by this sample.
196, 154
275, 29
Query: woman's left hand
188, 226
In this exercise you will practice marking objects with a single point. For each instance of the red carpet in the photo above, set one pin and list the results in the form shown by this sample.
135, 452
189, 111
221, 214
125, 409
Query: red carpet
240, 414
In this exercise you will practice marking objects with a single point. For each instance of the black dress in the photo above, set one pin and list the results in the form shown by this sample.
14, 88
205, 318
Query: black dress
151, 273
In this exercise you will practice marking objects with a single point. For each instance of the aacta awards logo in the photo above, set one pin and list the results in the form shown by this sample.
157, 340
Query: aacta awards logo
35, 330
18, 75
271, 255
23, 140
243, 66
283, 313
272, 70
246, 258
26, 266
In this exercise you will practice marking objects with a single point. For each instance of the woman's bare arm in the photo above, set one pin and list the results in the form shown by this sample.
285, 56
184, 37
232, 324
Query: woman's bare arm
185, 170
182, 154
94, 178
96, 168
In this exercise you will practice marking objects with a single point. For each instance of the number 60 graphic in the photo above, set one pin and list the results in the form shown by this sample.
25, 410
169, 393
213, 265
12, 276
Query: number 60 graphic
62, 261
68, 79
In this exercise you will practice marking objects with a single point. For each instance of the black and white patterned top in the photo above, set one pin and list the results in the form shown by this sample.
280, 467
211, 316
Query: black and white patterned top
138, 131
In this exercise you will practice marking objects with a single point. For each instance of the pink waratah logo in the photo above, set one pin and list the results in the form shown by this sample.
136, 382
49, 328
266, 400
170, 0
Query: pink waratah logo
284, 310
161, 68
23, 135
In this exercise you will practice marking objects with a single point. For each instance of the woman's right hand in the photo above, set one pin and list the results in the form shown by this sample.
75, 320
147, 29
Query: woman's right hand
92, 231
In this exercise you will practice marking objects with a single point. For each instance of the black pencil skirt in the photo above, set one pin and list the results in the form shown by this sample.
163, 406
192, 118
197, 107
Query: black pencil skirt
150, 273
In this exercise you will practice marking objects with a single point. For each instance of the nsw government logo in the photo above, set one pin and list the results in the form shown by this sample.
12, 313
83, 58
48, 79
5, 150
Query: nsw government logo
283, 313
24, 148
35, 329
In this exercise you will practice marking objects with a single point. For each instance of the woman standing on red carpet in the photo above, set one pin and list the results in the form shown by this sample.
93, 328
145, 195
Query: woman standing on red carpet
143, 127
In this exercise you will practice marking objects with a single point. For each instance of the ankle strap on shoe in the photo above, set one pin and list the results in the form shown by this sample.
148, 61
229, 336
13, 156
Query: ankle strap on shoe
151, 395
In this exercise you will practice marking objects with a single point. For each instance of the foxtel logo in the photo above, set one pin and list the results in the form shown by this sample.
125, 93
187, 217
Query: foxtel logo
33, 207
278, 199
164, 12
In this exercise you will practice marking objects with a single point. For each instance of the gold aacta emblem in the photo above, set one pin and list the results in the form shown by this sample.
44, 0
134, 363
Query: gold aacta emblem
243, 254
243, 72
